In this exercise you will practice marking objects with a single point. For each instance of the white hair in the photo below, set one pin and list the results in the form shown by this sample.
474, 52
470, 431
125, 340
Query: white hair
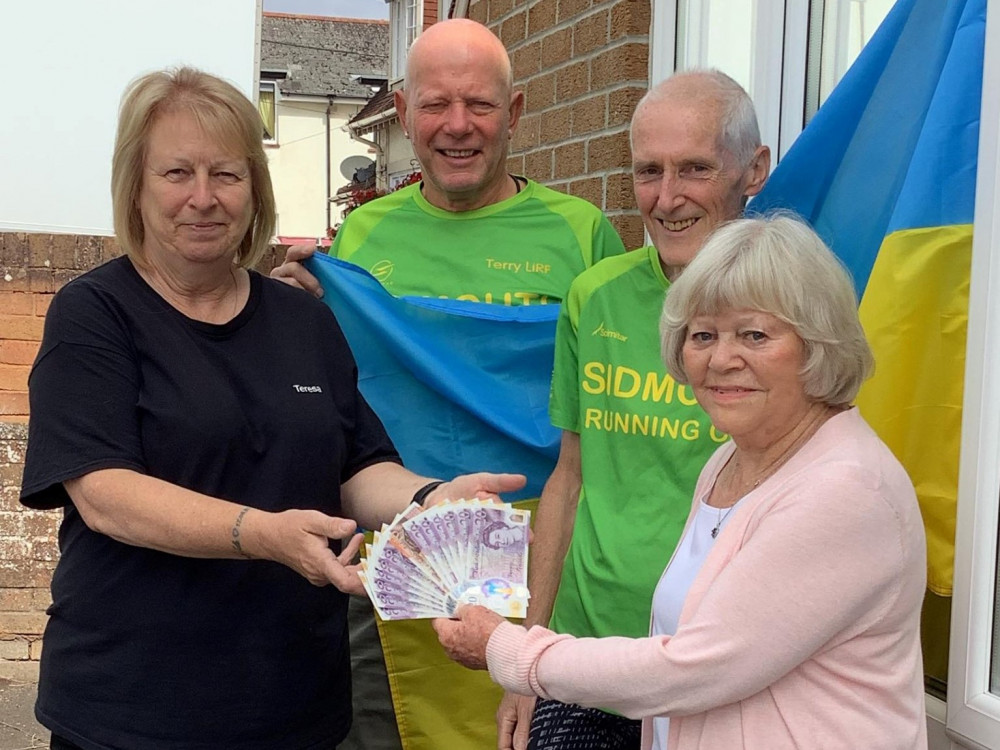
776, 264
740, 133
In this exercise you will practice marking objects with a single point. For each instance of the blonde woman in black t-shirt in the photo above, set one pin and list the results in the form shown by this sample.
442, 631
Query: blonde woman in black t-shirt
202, 427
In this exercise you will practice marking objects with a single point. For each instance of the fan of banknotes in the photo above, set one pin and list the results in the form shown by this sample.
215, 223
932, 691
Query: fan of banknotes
428, 561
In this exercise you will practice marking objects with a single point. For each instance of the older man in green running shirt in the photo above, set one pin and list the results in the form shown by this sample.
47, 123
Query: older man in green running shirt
634, 441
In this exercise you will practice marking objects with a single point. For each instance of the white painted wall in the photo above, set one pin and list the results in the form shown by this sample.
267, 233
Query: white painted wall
66, 64
298, 163
399, 158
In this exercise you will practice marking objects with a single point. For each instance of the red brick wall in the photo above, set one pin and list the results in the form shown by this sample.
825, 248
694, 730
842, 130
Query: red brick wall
32, 268
430, 12
28, 554
583, 65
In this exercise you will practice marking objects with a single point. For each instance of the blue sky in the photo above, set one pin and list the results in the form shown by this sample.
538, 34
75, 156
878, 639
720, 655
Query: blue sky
342, 8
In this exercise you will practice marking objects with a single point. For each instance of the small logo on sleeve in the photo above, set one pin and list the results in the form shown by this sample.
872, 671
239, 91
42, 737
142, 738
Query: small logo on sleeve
307, 388
608, 333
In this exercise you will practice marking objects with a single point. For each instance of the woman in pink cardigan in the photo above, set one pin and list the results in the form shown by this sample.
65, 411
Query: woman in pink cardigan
788, 617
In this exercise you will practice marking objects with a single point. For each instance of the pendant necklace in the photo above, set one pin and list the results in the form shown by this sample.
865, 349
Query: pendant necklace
723, 516
768, 470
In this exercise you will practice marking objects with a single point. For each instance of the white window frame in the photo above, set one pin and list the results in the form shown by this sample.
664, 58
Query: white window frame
402, 34
973, 717
781, 29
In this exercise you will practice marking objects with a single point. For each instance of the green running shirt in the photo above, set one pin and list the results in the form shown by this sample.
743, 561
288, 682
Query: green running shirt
643, 442
525, 250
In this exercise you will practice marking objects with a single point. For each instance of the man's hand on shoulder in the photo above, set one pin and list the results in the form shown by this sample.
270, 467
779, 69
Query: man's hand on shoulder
293, 272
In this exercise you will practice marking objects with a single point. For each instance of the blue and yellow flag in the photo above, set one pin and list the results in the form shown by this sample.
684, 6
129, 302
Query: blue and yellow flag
886, 173
460, 386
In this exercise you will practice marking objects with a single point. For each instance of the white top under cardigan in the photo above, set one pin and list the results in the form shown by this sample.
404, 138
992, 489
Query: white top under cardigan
672, 590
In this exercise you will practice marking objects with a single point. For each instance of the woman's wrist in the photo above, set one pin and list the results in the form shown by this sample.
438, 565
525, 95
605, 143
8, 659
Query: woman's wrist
237, 539
250, 534
502, 650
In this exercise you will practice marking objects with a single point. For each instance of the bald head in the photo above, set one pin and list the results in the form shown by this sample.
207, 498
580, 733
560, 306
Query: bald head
458, 39
718, 96
459, 109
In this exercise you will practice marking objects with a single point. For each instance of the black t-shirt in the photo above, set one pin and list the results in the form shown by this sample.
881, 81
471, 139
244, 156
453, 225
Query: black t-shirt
150, 650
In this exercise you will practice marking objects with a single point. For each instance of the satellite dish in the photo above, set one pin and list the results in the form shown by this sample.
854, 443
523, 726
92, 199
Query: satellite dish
352, 164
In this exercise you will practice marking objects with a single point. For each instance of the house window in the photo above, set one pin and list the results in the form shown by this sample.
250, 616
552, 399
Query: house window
788, 54
745, 40
843, 28
267, 98
405, 21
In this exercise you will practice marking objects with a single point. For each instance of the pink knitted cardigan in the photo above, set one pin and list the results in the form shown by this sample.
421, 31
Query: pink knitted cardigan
801, 631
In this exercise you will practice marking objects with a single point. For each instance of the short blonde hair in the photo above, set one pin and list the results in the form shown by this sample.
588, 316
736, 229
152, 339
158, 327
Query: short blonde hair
224, 113
776, 264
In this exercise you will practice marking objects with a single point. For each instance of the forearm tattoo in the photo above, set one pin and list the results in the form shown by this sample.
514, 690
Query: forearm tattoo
236, 532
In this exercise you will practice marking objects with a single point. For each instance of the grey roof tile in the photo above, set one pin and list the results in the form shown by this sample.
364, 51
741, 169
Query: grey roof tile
319, 55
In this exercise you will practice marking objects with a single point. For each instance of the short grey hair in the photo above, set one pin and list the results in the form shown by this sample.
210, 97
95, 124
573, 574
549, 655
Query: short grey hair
776, 264
740, 132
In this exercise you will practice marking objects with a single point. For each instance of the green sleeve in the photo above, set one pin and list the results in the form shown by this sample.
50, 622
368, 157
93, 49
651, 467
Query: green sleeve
606, 241
564, 396
356, 228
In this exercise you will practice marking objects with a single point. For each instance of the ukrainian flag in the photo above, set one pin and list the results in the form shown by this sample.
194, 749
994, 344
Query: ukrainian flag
460, 386
886, 174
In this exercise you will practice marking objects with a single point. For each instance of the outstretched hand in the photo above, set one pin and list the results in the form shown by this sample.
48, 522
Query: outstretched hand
464, 638
294, 273
482, 485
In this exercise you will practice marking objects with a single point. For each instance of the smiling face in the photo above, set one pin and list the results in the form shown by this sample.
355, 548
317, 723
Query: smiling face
459, 113
744, 367
195, 199
686, 182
